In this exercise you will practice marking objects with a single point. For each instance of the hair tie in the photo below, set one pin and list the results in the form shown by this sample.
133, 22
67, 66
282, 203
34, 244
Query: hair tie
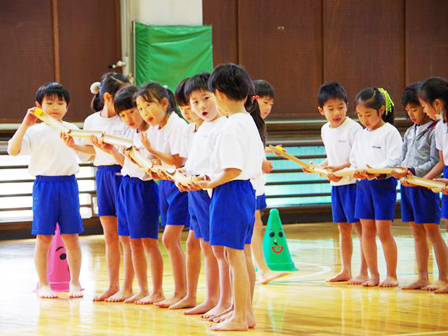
95, 88
387, 101
165, 87
256, 97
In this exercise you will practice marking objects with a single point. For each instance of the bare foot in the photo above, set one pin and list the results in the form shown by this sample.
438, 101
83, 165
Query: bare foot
223, 317
136, 297
75, 292
251, 321
107, 294
231, 324
186, 302
201, 309
120, 296
418, 284
45, 292
389, 282
151, 299
341, 276
442, 290
372, 282
217, 311
358, 280
168, 302
271, 275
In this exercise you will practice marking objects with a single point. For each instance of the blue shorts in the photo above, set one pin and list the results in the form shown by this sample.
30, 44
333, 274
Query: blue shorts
375, 199
193, 219
173, 204
108, 179
232, 214
343, 200
419, 205
199, 205
445, 197
138, 208
56, 200
261, 202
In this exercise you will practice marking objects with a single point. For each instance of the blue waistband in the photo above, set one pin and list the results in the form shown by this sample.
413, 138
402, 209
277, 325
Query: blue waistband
56, 178
114, 168
135, 180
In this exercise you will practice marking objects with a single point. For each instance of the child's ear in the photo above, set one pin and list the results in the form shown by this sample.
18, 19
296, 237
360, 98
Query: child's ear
165, 104
381, 110
107, 97
321, 110
37, 104
438, 106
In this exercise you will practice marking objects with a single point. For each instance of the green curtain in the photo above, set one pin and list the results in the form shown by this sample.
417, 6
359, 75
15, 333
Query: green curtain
167, 54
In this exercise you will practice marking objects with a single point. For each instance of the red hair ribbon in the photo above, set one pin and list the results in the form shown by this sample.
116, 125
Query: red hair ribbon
255, 97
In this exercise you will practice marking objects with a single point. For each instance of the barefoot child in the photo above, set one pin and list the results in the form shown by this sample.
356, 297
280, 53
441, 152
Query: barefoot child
237, 158
338, 136
376, 146
420, 206
55, 190
163, 140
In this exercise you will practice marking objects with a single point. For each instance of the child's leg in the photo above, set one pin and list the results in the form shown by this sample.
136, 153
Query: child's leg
422, 255
390, 252
125, 291
43, 243
224, 284
251, 272
140, 268
266, 274
346, 246
109, 224
212, 286
171, 241
74, 258
370, 251
364, 271
441, 253
193, 270
241, 290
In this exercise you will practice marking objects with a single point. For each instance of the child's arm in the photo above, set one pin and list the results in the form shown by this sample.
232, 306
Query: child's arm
173, 160
437, 169
15, 143
227, 175
70, 142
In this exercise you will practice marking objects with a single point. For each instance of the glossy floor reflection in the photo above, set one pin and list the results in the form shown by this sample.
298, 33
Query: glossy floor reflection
300, 304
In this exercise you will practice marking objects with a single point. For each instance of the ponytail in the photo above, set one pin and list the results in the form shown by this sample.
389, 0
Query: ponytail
111, 83
376, 98
251, 106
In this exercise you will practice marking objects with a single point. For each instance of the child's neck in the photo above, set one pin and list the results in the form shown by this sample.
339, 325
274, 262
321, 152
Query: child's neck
107, 113
198, 123
234, 107
143, 127
164, 121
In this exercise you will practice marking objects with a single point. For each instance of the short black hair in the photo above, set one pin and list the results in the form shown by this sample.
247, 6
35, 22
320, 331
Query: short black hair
410, 95
329, 91
197, 82
179, 95
263, 88
232, 80
52, 89
124, 99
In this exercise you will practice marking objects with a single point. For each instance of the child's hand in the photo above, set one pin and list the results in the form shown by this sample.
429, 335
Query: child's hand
334, 178
145, 141
267, 166
361, 174
98, 142
400, 172
204, 184
30, 119
68, 140
371, 176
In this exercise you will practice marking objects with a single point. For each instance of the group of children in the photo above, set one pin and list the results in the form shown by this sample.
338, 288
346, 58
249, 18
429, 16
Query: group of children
224, 141
423, 153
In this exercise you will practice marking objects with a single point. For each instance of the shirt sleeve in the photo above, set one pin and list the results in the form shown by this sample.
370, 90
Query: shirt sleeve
231, 151
394, 145
423, 169
27, 142
404, 149
176, 135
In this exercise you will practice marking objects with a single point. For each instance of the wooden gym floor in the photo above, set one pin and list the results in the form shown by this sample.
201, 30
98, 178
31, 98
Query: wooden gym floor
300, 304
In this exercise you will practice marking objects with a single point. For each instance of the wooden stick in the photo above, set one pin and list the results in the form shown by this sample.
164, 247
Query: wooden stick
50, 121
84, 134
426, 183
116, 141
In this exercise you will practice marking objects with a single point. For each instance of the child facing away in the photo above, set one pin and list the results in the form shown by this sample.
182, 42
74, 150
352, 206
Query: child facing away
338, 136
236, 159
55, 190
420, 206
377, 146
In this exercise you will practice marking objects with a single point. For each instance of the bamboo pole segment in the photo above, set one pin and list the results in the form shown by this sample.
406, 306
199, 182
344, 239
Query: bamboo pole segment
426, 183
50, 121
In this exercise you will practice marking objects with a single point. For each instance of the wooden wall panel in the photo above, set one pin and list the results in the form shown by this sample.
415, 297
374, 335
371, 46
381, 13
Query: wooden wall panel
89, 43
364, 45
281, 41
222, 15
426, 39
26, 54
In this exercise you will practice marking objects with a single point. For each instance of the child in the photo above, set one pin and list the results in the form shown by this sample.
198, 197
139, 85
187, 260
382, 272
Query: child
433, 96
55, 190
377, 146
138, 212
264, 94
193, 246
338, 136
420, 206
163, 140
108, 179
236, 159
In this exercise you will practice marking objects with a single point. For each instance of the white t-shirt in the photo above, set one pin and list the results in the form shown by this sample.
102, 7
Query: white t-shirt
49, 154
168, 139
112, 126
238, 146
188, 135
198, 162
259, 184
131, 169
380, 148
441, 131
338, 144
